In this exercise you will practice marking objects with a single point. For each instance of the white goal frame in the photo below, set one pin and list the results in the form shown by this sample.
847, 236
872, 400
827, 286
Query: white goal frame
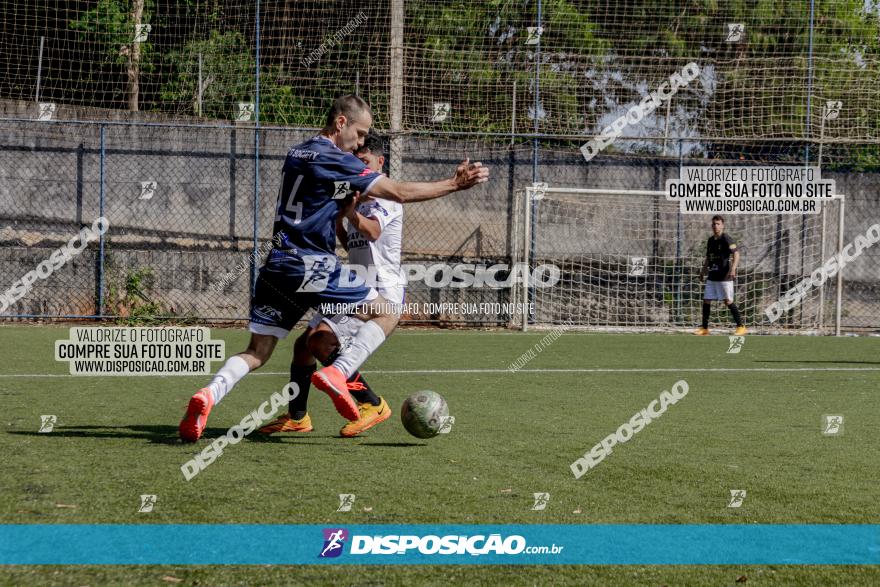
523, 243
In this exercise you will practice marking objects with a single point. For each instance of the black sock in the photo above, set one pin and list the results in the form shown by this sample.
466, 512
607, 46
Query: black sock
365, 395
736, 315
302, 376
707, 309
361, 396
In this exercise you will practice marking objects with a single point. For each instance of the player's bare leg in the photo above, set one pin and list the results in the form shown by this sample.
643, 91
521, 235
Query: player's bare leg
323, 343
237, 366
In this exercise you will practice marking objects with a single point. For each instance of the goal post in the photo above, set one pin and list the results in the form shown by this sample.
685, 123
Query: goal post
630, 260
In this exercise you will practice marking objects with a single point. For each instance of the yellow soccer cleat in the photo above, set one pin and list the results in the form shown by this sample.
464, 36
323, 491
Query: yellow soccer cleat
702, 332
740, 331
285, 423
370, 415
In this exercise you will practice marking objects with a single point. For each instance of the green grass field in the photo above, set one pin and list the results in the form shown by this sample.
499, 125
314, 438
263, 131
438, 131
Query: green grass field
750, 421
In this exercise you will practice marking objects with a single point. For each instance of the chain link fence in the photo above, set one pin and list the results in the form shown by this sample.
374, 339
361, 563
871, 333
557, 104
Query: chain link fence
190, 220
172, 120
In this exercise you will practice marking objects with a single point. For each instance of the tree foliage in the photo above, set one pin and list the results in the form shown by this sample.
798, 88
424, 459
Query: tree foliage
595, 59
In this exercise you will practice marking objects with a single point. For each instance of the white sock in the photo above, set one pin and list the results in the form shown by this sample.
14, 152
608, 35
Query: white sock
232, 371
369, 337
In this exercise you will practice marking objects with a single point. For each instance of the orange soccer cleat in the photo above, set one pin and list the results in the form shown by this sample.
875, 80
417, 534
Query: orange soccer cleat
193, 424
285, 423
332, 381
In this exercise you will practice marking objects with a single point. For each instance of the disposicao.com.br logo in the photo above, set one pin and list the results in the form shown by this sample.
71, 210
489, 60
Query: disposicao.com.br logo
334, 540
475, 545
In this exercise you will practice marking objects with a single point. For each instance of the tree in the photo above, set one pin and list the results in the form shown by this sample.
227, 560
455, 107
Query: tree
228, 68
477, 48
599, 58
116, 29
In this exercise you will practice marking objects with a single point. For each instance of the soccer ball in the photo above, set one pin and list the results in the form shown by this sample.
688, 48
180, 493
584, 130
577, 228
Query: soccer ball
424, 413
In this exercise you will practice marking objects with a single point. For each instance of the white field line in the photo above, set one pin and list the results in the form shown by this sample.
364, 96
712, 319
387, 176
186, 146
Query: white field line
502, 371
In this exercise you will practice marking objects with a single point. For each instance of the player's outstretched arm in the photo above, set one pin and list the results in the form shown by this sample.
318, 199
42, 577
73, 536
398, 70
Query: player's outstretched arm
467, 175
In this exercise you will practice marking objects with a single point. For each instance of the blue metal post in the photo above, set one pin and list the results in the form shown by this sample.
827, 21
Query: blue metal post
256, 155
810, 81
537, 99
537, 104
678, 270
808, 136
101, 195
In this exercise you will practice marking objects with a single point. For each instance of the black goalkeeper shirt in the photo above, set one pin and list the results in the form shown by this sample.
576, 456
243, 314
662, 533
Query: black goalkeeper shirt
718, 253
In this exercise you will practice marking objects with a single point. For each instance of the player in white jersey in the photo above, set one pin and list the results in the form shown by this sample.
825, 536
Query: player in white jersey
381, 250
371, 231
302, 272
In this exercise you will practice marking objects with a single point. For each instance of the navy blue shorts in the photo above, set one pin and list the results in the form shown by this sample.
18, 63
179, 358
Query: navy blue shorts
289, 285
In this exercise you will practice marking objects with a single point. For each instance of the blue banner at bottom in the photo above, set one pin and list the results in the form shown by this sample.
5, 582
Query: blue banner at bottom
184, 544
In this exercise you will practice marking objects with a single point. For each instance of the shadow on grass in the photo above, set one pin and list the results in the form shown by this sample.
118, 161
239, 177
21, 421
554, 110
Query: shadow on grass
310, 438
167, 434
392, 444
158, 434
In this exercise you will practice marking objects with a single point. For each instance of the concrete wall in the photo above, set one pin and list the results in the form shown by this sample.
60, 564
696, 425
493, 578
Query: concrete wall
199, 223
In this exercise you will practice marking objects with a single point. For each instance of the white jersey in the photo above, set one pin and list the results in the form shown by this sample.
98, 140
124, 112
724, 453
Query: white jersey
384, 252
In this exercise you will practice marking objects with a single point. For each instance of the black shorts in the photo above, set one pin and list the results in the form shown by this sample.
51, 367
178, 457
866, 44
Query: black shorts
288, 285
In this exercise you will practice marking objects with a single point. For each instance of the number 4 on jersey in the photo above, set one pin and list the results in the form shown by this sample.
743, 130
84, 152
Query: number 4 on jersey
296, 208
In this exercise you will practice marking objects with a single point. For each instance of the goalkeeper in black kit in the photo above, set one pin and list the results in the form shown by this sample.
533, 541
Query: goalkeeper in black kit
722, 258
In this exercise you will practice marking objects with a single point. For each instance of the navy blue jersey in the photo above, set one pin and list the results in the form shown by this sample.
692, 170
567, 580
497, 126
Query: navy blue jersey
316, 178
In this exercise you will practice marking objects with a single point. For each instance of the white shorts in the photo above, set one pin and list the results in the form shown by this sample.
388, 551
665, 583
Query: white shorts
344, 327
719, 290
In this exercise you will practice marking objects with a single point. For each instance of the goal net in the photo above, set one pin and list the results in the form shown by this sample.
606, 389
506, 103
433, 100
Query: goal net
628, 259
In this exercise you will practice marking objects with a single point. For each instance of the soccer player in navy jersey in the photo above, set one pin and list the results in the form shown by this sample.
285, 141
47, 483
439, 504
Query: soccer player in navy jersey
303, 271
371, 230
